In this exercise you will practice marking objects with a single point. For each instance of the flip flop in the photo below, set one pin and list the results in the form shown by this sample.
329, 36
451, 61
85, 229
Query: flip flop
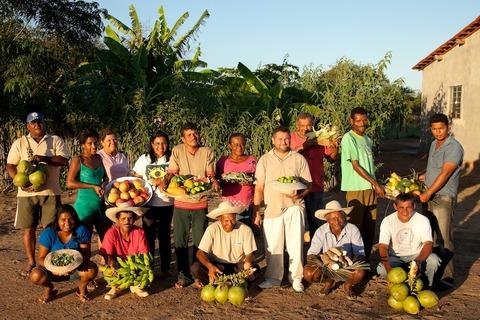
82, 297
47, 298
198, 284
26, 273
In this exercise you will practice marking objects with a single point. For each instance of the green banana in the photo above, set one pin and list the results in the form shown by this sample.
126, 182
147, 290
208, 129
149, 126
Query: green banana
121, 262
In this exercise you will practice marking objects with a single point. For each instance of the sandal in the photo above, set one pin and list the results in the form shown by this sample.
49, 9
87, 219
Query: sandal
82, 297
26, 273
349, 293
198, 283
44, 298
112, 294
181, 284
91, 286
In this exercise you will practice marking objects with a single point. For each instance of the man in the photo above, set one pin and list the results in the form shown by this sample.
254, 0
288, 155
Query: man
283, 221
406, 236
445, 158
336, 233
226, 247
190, 158
314, 153
358, 177
123, 239
34, 207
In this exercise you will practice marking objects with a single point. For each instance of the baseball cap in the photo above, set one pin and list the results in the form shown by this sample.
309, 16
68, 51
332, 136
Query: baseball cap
32, 116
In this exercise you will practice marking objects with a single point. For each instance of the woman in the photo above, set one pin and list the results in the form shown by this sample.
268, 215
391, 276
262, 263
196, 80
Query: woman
158, 219
86, 173
238, 161
115, 162
123, 239
65, 232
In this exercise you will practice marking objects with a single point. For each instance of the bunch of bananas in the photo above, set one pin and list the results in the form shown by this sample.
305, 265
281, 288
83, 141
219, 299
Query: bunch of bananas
235, 279
135, 270
397, 185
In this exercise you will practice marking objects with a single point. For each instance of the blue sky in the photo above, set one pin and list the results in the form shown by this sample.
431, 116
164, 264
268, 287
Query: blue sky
314, 32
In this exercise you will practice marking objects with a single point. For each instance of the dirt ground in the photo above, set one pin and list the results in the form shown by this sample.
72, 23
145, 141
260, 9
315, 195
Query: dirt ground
18, 297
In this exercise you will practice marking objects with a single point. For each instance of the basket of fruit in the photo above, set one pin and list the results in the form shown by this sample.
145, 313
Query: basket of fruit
410, 184
189, 188
128, 192
62, 262
287, 184
238, 177
325, 136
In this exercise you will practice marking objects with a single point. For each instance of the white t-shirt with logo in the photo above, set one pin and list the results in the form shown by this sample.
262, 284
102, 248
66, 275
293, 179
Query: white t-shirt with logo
159, 199
405, 239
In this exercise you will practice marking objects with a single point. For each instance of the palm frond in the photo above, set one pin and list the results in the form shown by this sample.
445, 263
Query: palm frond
181, 45
119, 25
180, 21
136, 25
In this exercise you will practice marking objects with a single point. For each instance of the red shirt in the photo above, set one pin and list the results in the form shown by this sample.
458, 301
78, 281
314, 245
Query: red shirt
114, 245
314, 156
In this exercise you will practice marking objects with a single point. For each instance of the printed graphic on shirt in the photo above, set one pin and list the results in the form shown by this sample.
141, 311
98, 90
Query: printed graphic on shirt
154, 171
404, 239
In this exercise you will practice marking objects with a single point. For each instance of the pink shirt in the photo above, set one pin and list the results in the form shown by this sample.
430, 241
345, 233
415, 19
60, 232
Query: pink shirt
237, 194
116, 166
314, 156
114, 245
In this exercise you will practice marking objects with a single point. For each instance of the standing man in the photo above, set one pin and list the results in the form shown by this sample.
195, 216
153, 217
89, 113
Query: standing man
34, 207
445, 158
314, 153
283, 221
190, 158
358, 177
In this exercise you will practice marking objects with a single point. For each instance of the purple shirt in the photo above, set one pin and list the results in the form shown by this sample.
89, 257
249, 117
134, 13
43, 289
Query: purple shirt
237, 194
116, 166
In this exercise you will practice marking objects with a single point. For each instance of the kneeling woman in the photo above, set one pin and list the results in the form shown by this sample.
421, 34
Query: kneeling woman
123, 239
65, 232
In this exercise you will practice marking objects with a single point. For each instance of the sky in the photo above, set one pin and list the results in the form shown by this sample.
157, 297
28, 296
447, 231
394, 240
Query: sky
314, 33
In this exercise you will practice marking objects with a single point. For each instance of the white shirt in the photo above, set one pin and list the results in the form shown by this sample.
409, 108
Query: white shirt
159, 199
405, 239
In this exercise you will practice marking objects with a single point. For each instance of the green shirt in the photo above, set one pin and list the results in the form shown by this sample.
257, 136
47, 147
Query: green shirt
356, 147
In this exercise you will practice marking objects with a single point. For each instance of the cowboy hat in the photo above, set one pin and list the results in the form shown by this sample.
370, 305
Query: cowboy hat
332, 206
111, 213
224, 207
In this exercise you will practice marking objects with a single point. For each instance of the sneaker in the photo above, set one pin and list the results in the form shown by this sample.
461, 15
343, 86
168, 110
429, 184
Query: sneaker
112, 294
297, 285
139, 292
267, 284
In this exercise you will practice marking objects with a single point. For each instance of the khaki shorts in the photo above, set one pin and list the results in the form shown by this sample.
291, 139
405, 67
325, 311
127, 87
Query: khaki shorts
35, 209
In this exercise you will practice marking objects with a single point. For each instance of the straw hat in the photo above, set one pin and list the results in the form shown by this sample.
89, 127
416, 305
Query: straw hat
332, 206
224, 207
111, 213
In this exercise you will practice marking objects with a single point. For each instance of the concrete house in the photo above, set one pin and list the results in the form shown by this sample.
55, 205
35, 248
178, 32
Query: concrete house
451, 85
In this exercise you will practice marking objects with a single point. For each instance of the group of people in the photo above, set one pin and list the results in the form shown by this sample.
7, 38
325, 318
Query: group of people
228, 244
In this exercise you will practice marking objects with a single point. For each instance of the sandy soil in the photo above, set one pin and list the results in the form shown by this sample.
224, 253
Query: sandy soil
18, 297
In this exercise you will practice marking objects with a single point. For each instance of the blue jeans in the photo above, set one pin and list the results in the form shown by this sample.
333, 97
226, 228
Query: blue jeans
313, 202
428, 267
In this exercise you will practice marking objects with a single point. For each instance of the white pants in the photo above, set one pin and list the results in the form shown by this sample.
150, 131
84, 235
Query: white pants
287, 229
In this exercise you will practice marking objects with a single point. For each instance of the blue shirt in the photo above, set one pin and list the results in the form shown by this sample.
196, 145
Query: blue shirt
350, 240
450, 151
50, 240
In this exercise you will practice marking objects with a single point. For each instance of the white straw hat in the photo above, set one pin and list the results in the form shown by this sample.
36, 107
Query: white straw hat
332, 206
224, 207
111, 213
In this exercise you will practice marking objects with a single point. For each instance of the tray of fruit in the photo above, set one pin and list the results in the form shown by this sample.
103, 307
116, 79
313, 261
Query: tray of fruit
189, 188
396, 185
287, 184
238, 177
128, 192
